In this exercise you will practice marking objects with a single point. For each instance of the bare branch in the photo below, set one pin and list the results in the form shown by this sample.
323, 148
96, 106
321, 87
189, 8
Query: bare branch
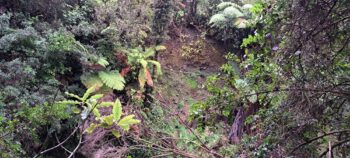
58, 145
334, 146
319, 137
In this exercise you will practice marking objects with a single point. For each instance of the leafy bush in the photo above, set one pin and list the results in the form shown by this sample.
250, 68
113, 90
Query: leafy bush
139, 61
91, 104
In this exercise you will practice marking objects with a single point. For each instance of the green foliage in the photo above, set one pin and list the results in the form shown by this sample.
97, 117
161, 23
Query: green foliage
133, 20
61, 42
193, 50
90, 104
28, 87
164, 124
104, 79
251, 40
232, 22
112, 79
163, 11
141, 62
290, 81
47, 48
230, 15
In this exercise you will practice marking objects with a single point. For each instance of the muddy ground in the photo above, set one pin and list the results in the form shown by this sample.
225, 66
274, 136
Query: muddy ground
189, 59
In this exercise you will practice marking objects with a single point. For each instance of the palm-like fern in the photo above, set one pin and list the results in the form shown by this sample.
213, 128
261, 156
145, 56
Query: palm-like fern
231, 15
139, 58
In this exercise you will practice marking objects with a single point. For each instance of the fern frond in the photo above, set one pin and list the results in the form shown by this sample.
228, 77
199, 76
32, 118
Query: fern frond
149, 52
68, 102
112, 79
224, 5
241, 23
135, 50
143, 63
158, 66
73, 96
217, 20
91, 80
247, 6
88, 93
103, 62
142, 78
81, 46
127, 121
160, 48
117, 110
109, 30
232, 12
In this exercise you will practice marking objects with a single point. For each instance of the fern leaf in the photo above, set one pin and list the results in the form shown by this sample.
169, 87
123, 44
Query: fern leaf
149, 52
217, 20
91, 80
247, 6
117, 110
105, 104
127, 121
96, 96
91, 128
116, 133
224, 5
232, 12
109, 30
143, 63
68, 102
88, 92
158, 66
103, 62
112, 79
96, 113
74, 96
160, 48
241, 23
142, 78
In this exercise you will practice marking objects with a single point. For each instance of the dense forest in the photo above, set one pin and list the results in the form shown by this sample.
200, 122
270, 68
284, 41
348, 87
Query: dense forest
174, 78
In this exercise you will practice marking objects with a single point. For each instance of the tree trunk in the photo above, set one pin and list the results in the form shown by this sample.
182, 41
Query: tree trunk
236, 131
237, 127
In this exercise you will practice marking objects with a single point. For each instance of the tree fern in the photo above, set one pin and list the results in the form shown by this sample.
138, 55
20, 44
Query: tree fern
241, 23
231, 14
140, 59
224, 5
247, 6
217, 20
112, 79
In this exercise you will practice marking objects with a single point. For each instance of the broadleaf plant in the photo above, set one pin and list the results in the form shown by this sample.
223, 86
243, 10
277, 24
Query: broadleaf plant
140, 60
91, 108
